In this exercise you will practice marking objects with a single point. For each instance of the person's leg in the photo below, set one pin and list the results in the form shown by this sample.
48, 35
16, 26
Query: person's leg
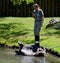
37, 28
37, 39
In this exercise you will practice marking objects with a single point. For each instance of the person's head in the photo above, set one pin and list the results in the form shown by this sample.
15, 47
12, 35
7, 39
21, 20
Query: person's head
36, 6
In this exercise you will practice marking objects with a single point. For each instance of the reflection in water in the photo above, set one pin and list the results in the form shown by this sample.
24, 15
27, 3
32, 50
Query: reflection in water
8, 56
26, 59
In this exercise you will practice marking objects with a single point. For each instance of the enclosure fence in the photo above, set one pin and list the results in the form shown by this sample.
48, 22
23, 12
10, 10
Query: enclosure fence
51, 8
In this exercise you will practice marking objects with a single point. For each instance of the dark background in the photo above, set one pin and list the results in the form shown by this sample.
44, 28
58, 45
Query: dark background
51, 8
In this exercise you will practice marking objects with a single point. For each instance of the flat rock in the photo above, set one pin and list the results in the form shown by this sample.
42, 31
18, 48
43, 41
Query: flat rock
53, 23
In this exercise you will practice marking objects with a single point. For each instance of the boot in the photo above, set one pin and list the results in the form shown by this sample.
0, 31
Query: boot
35, 47
37, 38
37, 44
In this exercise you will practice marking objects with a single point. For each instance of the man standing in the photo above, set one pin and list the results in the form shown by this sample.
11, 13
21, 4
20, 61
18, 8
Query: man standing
39, 18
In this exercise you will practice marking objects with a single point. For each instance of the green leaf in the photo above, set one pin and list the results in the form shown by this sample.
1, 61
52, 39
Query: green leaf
18, 2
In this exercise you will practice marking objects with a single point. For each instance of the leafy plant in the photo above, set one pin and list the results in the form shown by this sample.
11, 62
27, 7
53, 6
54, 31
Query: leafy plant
18, 2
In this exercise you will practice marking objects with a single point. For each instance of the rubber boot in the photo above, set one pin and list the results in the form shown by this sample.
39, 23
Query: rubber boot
35, 47
37, 44
37, 38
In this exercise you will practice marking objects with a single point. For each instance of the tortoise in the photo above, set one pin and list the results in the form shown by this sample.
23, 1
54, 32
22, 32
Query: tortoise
28, 50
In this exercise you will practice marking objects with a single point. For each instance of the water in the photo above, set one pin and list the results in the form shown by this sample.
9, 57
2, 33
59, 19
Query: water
9, 56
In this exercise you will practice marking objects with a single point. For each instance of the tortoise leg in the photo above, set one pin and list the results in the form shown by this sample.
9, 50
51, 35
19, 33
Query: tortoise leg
20, 46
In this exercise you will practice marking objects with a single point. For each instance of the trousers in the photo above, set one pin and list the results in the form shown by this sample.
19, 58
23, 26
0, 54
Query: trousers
37, 28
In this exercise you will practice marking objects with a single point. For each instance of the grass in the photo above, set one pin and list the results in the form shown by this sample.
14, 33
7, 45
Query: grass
14, 29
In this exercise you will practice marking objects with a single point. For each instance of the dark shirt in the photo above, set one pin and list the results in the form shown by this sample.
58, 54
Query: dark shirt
38, 14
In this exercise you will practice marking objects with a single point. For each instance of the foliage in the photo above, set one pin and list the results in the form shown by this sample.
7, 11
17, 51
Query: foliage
18, 2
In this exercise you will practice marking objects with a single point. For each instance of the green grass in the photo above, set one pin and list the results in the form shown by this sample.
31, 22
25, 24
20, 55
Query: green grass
14, 29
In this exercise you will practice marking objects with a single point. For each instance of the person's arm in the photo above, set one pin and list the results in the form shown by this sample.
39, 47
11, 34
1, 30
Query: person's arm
33, 13
42, 16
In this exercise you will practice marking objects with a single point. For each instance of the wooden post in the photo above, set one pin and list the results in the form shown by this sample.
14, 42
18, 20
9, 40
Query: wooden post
0, 7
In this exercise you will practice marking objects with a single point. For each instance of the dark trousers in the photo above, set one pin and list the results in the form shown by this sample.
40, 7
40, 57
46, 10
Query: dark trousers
37, 28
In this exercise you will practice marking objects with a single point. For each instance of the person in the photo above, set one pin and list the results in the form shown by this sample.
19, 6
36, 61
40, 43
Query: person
39, 18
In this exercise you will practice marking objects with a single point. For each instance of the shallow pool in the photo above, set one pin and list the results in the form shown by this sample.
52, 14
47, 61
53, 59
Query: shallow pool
9, 56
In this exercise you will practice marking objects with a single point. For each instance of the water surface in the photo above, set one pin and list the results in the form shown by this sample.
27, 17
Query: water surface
9, 56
